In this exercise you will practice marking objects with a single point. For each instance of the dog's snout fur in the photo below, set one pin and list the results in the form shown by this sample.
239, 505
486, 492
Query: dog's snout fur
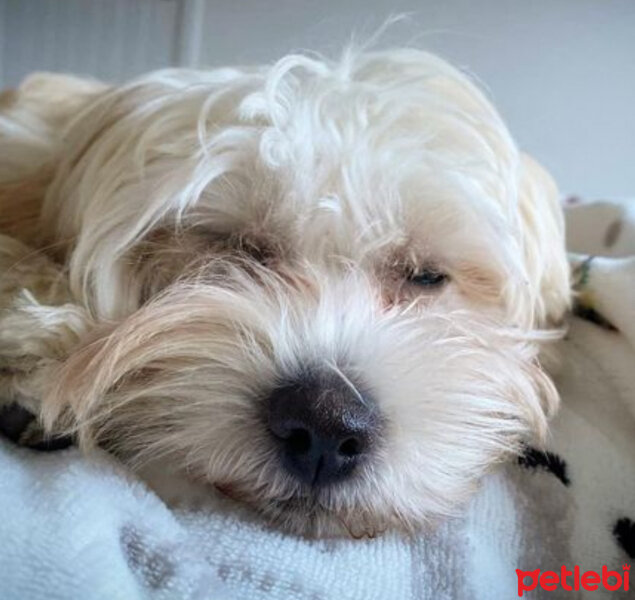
324, 426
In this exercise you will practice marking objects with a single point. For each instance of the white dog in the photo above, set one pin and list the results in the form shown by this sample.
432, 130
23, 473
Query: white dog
320, 286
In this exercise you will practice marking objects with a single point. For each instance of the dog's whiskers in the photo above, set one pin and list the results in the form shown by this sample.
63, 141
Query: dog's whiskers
333, 367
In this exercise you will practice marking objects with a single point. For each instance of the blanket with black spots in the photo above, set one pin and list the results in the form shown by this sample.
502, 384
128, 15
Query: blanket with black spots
78, 529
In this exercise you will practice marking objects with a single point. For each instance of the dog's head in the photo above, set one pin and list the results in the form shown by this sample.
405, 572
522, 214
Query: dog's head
322, 287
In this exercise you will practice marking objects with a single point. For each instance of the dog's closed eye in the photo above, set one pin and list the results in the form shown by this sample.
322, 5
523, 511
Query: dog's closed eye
428, 278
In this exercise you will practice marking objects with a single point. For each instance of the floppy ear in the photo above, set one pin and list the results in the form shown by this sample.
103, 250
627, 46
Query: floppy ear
33, 118
543, 240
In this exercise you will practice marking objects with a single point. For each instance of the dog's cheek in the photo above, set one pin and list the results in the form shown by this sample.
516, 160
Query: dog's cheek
549, 401
455, 406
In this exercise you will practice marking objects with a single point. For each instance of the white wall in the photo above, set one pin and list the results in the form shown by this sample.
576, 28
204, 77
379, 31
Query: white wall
561, 71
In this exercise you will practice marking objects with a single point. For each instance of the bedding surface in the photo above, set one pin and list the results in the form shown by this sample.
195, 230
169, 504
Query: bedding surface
73, 528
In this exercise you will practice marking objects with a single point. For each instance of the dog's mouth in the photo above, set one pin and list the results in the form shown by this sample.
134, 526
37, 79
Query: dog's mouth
307, 515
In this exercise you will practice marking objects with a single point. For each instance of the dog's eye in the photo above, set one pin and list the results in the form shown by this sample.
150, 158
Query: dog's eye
428, 278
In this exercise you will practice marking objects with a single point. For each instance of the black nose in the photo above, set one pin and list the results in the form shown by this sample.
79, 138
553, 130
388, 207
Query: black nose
324, 425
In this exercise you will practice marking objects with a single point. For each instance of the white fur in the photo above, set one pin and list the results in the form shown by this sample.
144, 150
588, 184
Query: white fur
220, 230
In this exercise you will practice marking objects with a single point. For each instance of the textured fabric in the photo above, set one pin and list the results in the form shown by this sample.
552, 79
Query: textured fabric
78, 529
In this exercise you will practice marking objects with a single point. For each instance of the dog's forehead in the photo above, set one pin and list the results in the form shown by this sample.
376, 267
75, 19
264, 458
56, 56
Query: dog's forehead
386, 158
358, 212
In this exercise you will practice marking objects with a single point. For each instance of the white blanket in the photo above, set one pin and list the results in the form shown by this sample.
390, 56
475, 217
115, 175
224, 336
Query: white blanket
77, 529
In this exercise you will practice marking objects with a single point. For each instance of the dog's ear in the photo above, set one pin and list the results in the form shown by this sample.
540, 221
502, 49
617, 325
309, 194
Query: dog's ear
543, 241
33, 118
20, 206
49, 99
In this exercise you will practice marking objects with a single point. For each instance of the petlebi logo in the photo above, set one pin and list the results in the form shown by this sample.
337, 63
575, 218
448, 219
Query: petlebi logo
573, 580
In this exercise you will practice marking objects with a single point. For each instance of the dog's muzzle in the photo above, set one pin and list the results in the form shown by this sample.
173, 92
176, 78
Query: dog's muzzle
324, 427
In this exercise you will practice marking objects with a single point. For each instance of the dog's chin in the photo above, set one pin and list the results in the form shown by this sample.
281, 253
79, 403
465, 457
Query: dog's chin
304, 512
307, 514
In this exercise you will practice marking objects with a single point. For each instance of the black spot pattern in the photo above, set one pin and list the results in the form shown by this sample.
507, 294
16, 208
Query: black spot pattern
624, 532
532, 459
152, 566
613, 233
590, 314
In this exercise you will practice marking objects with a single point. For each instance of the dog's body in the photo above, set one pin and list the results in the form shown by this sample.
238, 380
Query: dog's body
321, 287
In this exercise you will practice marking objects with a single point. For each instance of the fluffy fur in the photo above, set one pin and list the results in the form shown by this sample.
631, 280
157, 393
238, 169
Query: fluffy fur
175, 247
